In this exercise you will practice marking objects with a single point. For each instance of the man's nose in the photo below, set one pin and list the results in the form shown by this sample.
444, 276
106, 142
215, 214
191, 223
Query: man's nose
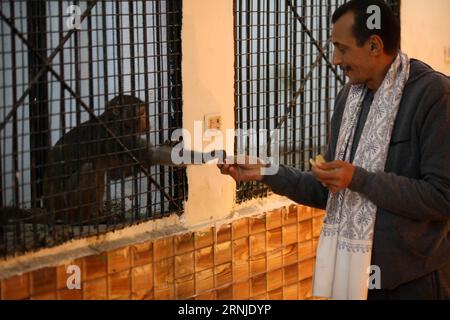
336, 58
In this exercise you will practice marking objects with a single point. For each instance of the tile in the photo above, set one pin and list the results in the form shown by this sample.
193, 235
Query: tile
45, 296
315, 245
305, 250
274, 260
260, 297
225, 293
95, 289
258, 285
305, 230
17, 287
305, 289
274, 219
119, 285
222, 253
163, 249
211, 295
290, 234
119, 260
184, 265
223, 275
185, 287
258, 244
319, 213
290, 274
224, 233
276, 294
184, 243
304, 213
141, 253
67, 294
289, 216
204, 238
258, 264
290, 254
274, 240
43, 281
241, 264
241, 290
143, 295
274, 279
204, 280
305, 269
95, 266
204, 259
164, 285
240, 228
317, 226
257, 224
290, 292
142, 279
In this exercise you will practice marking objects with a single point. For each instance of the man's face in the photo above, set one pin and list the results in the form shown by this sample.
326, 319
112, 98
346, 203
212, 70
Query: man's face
355, 61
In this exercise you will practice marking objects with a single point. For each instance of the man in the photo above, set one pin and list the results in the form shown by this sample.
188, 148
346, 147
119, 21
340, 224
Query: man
386, 186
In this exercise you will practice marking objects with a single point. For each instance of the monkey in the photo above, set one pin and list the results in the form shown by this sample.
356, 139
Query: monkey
74, 179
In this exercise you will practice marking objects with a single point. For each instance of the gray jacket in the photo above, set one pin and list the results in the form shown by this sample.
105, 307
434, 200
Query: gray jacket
412, 229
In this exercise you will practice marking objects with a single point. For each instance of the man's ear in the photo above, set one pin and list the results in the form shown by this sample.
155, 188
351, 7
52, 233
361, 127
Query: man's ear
376, 45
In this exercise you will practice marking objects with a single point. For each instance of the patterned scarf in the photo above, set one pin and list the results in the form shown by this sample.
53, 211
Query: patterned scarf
345, 244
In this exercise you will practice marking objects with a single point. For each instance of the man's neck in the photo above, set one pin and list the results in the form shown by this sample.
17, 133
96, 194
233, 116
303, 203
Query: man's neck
375, 83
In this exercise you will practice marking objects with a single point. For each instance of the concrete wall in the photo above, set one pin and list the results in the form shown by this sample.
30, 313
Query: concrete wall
426, 32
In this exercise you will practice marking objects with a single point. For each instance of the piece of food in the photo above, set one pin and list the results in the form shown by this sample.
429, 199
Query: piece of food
318, 160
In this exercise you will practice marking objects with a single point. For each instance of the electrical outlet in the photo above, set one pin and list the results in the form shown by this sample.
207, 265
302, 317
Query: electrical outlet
213, 121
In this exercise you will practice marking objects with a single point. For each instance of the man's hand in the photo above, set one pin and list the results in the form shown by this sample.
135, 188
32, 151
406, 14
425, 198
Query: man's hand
249, 170
336, 175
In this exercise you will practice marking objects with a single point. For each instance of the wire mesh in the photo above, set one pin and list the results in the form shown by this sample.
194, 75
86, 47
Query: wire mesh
62, 63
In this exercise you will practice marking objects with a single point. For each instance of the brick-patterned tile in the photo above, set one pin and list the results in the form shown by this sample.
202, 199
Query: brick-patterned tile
319, 213
241, 290
185, 287
290, 254
290, 292
241, 267
305, 289
184, 265
119, 285
45, 296
274, 219
184, 243
163, 249
95, 289
70, 294
258, 264
305, 269
17, 287
276, 294
225, 293
224, 233
119, 260
305, 230
274, 240
289, 216
305, 250
142, 279
240, 228
258, 285
204, 238
258, 244
317, 226
290, 234
260, 297
223, 274
204, 258
257, 224
211, 295
222, 253
164, 279
290, 274
204, 280
274, 260
141, 253
304, 213
43, 281
274, 279
95, 266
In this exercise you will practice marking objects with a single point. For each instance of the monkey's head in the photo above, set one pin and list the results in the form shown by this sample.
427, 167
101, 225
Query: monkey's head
130, 111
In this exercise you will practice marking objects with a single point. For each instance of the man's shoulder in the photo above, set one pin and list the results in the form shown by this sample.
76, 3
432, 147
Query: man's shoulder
423, 77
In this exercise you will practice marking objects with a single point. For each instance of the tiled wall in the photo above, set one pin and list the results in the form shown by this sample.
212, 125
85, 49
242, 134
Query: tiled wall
263, 257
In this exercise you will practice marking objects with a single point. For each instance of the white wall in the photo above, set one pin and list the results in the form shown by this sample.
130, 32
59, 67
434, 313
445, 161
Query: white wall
426, 31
